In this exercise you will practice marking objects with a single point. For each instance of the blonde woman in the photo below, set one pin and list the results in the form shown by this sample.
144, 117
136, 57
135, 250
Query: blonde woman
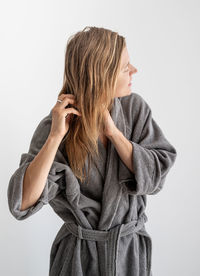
94, 158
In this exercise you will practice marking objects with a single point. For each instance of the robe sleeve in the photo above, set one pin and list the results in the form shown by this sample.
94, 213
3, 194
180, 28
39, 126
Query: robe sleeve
53, 181
153, 156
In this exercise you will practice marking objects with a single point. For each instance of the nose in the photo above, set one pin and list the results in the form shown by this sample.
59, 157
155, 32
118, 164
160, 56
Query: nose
133, 70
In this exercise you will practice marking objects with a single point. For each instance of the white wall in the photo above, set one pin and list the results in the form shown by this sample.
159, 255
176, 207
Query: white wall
163, 43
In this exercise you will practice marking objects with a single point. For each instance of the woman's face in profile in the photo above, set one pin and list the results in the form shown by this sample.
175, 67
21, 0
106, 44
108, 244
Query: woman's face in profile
123, 87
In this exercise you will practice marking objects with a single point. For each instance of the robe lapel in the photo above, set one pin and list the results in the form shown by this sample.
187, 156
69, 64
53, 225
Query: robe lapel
100, 161
103, 158
112, 190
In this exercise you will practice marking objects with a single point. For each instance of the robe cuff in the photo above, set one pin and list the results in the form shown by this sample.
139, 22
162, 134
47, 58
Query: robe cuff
141, 181
15, 192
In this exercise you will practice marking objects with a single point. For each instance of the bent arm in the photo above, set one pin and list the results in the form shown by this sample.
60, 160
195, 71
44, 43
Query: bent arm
124, 148
43, 165
37, 172
152, 153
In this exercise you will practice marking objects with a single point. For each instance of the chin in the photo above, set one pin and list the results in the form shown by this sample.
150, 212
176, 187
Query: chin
123, 94
126, 94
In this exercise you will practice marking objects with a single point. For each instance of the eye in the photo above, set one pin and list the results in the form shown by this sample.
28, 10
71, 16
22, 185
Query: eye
127, 68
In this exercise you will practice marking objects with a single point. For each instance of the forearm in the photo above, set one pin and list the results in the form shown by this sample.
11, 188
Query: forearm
37, 172
123, 147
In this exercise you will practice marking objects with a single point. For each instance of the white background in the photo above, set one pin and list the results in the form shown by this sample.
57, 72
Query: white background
163, 43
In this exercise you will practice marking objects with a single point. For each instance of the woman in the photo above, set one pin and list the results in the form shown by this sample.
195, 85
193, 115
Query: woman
94, 158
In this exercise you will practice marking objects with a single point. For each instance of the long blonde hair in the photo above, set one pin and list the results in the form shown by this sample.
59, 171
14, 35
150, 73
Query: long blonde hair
92, 64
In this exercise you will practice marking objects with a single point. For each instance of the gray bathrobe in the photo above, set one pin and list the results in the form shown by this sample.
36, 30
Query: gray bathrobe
104, 217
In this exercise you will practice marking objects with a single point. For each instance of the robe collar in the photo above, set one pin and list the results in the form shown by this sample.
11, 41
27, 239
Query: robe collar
117, 116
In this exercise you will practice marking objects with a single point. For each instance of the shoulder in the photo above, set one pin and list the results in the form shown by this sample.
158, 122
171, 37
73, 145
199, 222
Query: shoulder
41, 132
44, 124
133, 101
135, 108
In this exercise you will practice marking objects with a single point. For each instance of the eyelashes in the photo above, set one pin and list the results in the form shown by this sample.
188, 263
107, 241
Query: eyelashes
127, 69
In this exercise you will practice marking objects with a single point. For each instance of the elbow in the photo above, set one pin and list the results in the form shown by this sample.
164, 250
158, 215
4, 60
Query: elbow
18, 211
158, 187
19, 214
23, 207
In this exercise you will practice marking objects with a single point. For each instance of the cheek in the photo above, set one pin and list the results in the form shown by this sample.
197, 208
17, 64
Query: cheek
122, 80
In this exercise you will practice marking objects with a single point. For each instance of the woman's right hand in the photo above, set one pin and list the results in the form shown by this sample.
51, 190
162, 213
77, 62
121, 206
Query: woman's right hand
60, 123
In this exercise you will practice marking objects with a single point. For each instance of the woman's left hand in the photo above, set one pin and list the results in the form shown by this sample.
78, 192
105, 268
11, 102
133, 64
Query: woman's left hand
109, 126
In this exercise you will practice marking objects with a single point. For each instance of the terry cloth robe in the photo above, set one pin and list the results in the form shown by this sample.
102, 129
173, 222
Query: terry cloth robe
104, 216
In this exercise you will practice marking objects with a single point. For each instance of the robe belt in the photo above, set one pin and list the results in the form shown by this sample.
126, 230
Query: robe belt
112, 236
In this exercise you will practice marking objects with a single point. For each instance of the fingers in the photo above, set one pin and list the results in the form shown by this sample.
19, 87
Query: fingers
71, 110
66, 100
